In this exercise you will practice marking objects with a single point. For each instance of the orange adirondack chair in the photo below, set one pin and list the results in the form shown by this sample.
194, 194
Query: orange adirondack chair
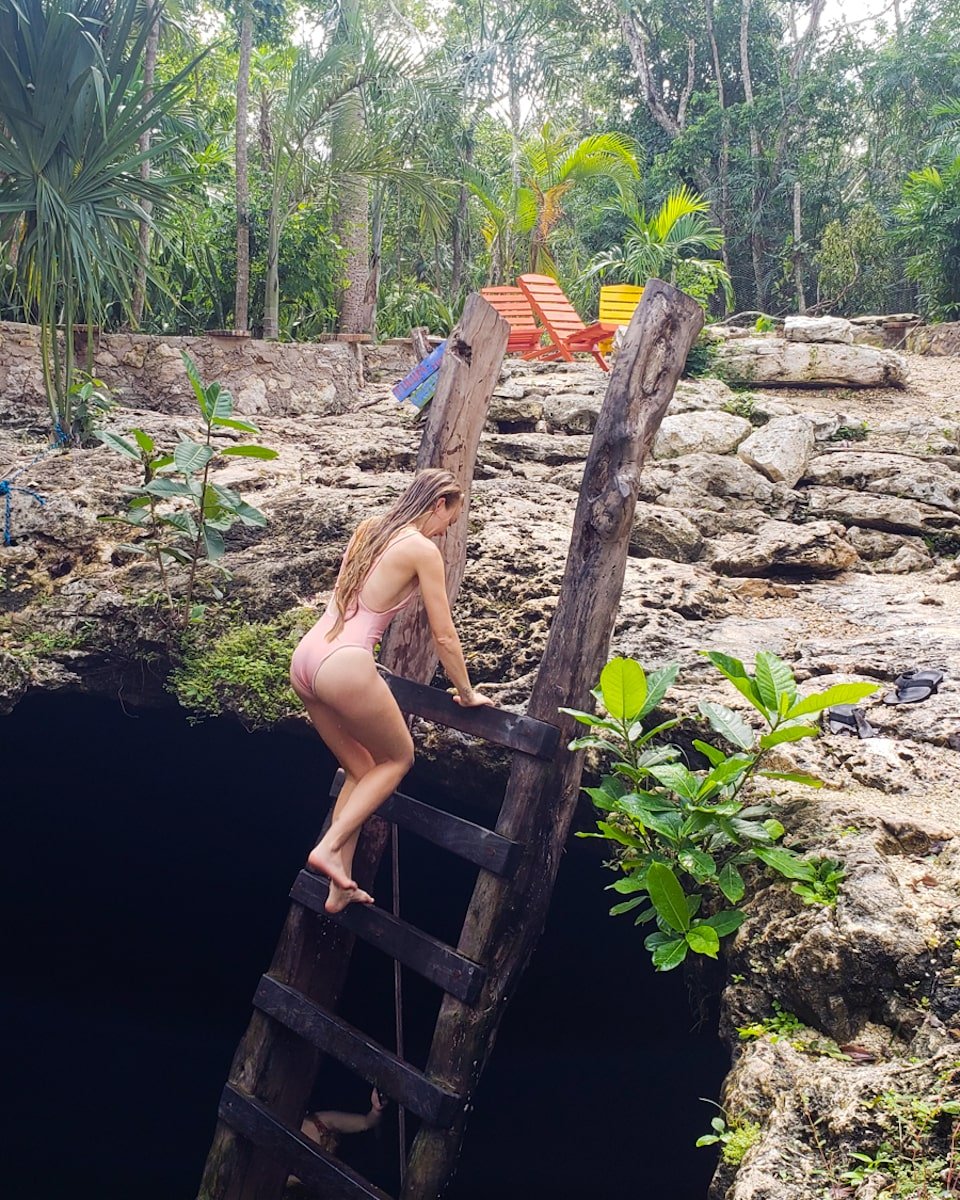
567, 332
515, 309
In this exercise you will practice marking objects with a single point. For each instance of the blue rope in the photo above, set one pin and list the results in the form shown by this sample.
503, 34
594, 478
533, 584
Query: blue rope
6, 490
7, 487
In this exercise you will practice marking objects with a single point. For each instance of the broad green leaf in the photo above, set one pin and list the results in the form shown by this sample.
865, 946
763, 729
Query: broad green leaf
697, 863
601, 798
624, 688
670, 954
627, 905
164, 488
651, 733
730, 882
774, 829
250, 515
618, 835
164, 460
725, 772
734, 670
773, 679
191, 456
196, 383
703, 939
788, 733
666, 824
628, 885
591, 719
728, 724
219, 404
785, 862
213, 543
641, 804
659, 683
793, 777
243, 426
667, 897
710, 753
677, 778
590, 741
249, 451
144, 441
121, 445
726, 921
840, 693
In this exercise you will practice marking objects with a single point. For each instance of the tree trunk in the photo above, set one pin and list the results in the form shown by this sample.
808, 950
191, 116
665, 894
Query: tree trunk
271, 299
149, 73
798, 246
723, 166
352, 221
242, 294
756, 236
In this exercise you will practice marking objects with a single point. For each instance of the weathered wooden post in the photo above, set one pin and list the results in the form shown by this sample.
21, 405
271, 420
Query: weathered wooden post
271, 1063
506, 917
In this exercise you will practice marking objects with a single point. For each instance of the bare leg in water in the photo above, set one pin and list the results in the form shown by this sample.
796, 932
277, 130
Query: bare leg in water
355, 713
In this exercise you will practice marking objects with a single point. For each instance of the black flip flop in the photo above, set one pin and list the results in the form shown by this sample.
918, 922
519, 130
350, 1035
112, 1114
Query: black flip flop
848, 718
913, 687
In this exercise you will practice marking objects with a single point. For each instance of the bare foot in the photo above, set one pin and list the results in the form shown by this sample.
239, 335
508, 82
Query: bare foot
338, 898
330, 863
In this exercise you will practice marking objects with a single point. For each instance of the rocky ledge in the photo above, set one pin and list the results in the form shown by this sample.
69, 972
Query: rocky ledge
823, 526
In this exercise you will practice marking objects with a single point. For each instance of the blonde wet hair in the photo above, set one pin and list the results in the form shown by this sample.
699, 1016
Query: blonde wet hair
373, 535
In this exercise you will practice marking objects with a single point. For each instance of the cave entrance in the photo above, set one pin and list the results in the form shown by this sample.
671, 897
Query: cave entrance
148, 864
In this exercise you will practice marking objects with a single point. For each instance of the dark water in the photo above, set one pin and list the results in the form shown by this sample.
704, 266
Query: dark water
146, 870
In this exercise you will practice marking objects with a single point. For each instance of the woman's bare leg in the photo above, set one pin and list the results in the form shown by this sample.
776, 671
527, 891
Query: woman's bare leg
356, 715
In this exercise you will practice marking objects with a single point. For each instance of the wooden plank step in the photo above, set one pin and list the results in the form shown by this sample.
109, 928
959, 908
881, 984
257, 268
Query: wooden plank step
472, 842
438, 1106
315, 1169
417, 950
513, 730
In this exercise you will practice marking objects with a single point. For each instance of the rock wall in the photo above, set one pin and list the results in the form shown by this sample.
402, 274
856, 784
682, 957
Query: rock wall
936, 339
144, 371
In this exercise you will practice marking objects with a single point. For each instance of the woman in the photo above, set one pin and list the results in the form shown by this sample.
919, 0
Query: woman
389, 559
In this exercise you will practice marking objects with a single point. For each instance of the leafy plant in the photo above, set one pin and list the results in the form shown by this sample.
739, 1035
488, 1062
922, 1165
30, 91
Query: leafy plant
684, 835
734, 1139
90, 402
73, 107
764, 324
181, 512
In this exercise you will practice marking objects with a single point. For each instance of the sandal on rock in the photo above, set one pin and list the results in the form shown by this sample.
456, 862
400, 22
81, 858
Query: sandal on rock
848, 718
912, 687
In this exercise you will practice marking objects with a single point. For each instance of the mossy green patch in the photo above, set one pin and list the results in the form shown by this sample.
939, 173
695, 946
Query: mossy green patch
241, 670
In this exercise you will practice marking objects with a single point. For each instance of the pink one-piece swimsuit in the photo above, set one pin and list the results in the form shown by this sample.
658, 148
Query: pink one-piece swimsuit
363, 627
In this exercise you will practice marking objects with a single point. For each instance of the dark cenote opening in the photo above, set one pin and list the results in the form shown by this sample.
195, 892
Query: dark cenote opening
147, 869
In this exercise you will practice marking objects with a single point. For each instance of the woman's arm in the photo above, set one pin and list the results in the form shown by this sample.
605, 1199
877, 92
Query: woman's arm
433, 590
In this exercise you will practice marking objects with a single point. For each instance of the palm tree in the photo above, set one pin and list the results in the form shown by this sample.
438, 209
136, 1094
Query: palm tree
667, 245
72, 111
550, 166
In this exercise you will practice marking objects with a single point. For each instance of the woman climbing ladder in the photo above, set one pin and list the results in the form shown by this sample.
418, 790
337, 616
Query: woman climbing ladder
388, 560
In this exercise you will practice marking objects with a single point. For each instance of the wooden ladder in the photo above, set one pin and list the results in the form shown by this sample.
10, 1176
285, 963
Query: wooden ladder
437, 1104
294, 1021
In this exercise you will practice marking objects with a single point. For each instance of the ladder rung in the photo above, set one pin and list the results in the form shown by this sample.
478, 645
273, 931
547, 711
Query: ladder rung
314, 1168
461, 837
513, 730
436, 1105
415, 949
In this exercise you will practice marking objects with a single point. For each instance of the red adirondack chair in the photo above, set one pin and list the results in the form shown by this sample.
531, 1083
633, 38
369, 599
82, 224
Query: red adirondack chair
567, 332
515, 309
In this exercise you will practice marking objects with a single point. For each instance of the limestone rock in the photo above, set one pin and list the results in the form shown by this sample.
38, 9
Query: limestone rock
868, 510
781, 548
766, 362
817, 329
931, 483
571, 412
700, 433
717, 482
935, 339
781, 449
514, 412
664, 533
